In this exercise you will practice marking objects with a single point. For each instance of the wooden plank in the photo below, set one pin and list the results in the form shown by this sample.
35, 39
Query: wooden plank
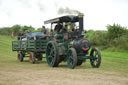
31, 44
15, 45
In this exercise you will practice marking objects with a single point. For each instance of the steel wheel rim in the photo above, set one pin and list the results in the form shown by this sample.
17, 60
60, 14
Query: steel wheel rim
50, 54
70, 59
20, 57
95, 58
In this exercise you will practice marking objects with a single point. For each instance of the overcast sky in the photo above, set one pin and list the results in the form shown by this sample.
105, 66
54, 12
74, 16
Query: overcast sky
97, 13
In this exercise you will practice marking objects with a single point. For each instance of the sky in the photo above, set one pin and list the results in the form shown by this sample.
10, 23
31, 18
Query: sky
97, 13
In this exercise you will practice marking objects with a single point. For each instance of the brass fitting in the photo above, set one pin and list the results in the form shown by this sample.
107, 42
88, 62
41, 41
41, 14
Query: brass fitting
80, 15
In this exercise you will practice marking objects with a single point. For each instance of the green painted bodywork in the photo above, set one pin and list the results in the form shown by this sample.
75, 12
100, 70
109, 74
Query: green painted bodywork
83, 57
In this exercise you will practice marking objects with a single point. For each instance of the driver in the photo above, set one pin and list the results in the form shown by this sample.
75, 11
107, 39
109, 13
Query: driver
58, 27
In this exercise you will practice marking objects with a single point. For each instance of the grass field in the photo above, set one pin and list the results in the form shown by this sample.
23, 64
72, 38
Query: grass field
113, 70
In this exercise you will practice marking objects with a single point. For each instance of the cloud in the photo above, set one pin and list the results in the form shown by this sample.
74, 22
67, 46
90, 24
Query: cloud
33, 4
40, 5
34, 12
0, 2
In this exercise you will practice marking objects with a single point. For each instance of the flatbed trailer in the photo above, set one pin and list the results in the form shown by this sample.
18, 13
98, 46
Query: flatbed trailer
35, 49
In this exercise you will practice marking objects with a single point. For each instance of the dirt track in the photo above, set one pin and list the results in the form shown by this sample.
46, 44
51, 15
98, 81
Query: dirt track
59, 76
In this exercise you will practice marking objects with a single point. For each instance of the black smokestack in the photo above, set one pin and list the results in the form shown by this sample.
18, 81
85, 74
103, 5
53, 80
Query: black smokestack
81, 21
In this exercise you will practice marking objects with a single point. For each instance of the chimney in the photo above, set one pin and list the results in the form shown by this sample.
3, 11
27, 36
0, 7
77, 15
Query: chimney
81, 21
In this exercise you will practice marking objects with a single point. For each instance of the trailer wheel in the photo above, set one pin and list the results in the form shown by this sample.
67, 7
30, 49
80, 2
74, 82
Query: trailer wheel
72, 58
20, 56
52, 54
95, 58
79, 62
39, 57
32, 58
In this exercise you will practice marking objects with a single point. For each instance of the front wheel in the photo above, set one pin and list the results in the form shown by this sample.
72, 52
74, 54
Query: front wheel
95, 58
72, 58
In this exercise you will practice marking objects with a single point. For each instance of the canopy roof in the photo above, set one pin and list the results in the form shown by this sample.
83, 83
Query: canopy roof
68, 18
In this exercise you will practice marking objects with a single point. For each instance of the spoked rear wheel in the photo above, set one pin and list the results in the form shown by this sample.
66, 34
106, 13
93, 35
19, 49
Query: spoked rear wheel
95, 59
32, 58
52, 54
72, 58
20, 56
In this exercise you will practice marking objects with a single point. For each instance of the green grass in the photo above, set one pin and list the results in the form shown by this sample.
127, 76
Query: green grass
115, 61
111, 61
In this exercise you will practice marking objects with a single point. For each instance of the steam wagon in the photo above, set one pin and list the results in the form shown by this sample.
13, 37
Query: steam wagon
71, 46
32, 45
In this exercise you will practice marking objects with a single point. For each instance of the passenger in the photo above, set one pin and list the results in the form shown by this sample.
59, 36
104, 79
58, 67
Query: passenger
44, 30
69, 29
58, 27
65, 29
73, 26
28, 33
20, 35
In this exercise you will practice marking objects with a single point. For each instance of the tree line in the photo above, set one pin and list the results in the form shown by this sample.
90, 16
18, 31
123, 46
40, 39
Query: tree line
16, 29
116, 37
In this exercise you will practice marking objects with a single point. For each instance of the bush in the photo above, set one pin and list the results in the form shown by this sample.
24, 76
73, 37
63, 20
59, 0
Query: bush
115, 31
123, 42
97, 37
115, 38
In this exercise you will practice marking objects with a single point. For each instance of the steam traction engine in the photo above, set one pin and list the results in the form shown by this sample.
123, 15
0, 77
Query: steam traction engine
71, 46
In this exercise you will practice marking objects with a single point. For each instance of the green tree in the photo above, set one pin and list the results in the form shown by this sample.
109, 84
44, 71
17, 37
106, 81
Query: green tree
16, 29
28, 28
115, 31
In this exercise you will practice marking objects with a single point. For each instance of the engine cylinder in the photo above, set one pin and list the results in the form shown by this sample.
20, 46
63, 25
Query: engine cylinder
81, 45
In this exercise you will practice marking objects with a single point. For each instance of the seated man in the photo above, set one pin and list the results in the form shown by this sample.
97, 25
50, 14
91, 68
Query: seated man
58, 27
36, 36
20, 35
67, 29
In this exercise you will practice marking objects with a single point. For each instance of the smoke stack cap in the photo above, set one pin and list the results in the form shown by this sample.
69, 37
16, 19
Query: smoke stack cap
80, 15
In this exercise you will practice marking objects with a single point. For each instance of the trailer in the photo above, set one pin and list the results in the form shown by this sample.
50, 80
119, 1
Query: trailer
32, 48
